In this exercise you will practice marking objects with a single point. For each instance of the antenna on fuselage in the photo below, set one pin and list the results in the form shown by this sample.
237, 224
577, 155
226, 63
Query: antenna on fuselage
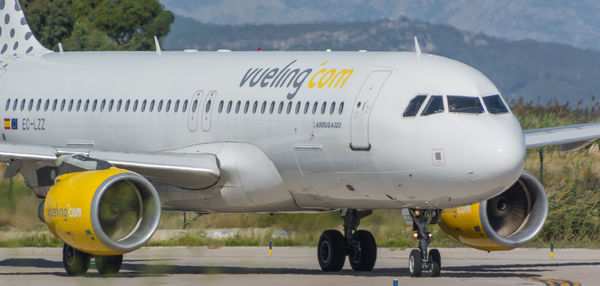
417, 48
60, 48
158, 50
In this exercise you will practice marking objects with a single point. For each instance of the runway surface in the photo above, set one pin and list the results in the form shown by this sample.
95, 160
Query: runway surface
298, 266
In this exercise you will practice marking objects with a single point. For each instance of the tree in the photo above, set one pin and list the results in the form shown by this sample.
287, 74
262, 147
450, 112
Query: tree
98, 24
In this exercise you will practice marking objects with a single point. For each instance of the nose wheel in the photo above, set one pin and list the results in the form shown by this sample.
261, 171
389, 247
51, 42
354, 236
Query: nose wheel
420, 260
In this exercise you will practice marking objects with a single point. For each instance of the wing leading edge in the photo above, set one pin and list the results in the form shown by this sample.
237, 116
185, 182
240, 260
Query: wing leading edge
568, 137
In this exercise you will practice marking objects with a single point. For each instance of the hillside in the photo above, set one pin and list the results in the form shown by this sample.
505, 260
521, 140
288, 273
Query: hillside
531, 70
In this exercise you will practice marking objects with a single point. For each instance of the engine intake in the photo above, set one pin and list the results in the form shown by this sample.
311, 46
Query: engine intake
504, 222
103, 212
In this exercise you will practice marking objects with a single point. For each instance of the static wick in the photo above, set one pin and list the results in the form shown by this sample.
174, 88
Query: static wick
417, 48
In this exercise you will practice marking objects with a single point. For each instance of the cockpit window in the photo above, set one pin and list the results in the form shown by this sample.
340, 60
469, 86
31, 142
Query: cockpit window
494, 104
414, 106
435, 105
464, 104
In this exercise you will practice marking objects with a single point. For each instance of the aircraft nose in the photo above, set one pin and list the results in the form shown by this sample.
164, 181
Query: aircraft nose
495, 155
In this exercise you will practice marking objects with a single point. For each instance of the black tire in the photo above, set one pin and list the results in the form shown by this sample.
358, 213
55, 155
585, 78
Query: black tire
435, 259
75, 261
363, 251
331, 251
415, 263
108, 265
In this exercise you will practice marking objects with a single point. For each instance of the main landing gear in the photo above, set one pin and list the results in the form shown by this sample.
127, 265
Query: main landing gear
419, 260
358, 245
78, 263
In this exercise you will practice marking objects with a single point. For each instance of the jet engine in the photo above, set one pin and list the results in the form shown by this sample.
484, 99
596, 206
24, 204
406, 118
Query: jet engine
504, 222
103, 212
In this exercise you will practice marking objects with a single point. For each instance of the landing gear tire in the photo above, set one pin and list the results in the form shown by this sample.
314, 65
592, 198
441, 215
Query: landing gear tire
362, 253
415, 263
75, 261
435, 263
108, 265
331, 251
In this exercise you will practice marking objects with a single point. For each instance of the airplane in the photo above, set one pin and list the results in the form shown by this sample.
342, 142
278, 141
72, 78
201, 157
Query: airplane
109, 139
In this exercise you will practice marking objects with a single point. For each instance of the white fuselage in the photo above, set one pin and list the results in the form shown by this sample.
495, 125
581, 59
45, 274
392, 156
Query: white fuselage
368, 156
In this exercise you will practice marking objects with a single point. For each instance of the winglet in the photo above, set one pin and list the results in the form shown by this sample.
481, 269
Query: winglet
417, 48
158, 50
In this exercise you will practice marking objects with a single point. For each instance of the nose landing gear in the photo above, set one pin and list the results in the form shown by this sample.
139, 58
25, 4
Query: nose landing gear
419, 259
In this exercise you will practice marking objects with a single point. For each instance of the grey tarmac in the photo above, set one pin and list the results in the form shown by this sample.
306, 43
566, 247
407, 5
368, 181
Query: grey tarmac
298, 266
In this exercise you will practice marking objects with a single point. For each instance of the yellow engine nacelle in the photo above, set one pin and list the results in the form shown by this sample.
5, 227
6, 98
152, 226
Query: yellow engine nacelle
103, 212
504, 222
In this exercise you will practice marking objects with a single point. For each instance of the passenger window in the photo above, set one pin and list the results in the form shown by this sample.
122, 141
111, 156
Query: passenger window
54, 104
280, 109
46, 104
298, 106
30, 105
264, 107
160, 105
38, 105
315, 106
324, 107
168, 106
255, 107
111, 103
23, 104
127, 105
143, 108
86, 105
79, 105
151, 108
332, 109
414, 105
229, 105
71, 103
62, 105
464, 104
15, 104
306, 106
434, 105
246, 106
494, 104
289, 107
176, 107
237, 107
221, 106
272, 107
341, 108
135, 105
94, 105
185, 105
102, 105
7, 104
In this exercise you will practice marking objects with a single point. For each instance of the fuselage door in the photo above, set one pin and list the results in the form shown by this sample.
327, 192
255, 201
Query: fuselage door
359, 126
194, 107
209, 101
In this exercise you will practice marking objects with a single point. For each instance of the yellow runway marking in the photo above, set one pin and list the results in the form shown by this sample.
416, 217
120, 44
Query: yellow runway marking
555, 282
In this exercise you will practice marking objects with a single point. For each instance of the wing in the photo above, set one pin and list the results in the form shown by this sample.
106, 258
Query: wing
188, 171
568, 137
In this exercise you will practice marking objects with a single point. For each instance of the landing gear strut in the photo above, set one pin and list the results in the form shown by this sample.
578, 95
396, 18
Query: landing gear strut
359, 245
419, 259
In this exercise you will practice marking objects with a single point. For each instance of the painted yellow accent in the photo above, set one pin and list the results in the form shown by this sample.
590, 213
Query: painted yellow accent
328, 77
464, 224
311, 82
345, 72
270, 252
331, 73
67, 209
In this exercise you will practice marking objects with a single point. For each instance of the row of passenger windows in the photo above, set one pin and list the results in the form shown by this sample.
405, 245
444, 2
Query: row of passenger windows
281, 107
168, 105
456, 104
100, 105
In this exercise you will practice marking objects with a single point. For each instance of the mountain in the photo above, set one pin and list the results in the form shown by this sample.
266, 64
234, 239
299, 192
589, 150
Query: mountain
531, 70
569, 22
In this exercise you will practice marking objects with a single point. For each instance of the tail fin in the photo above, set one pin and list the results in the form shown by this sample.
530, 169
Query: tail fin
16, 38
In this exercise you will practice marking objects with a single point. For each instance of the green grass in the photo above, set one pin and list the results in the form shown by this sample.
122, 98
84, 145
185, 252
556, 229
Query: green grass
572, 182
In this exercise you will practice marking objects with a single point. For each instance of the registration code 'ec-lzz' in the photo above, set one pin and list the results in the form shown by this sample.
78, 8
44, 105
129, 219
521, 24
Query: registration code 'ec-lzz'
34, 124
